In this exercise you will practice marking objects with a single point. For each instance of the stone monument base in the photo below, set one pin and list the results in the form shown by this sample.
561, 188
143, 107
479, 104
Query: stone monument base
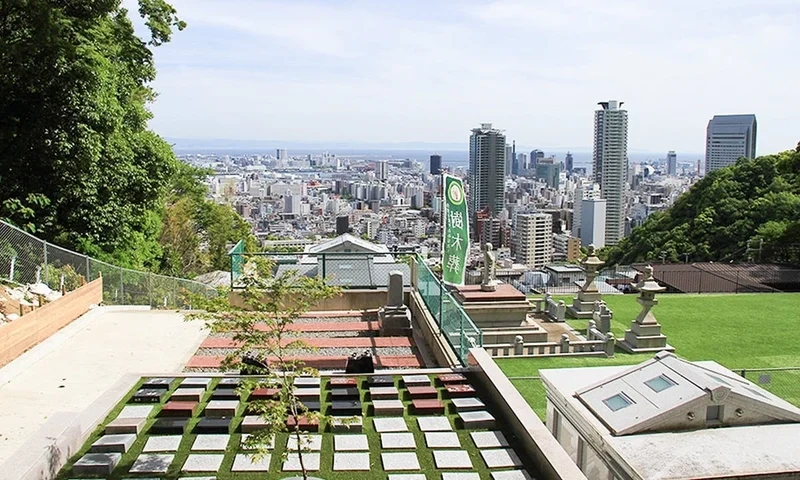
644, 338
583, 305
505, 307
394, 321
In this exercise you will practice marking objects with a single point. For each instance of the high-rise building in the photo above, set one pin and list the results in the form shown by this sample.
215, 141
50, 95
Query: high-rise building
342, 224
436, 164
548, 171
611, 165
509, 160
672, 163
593, 222
487, 166
569, 163
728, 138
536, 155
520, 164
533, 239
382, 170
281, 154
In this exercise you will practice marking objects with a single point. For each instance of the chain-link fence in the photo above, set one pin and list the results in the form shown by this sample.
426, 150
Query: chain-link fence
782, 381
25, 259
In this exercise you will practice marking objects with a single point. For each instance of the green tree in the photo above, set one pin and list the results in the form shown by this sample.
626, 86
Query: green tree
259, 321
78, 165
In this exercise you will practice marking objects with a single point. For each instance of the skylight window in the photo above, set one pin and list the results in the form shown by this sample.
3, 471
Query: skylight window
719, 379
618, 402
660, 383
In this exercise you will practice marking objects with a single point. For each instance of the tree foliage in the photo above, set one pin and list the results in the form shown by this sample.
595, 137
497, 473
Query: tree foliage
737, 213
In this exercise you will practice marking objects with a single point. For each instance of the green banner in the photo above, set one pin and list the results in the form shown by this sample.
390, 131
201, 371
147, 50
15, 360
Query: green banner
456, 232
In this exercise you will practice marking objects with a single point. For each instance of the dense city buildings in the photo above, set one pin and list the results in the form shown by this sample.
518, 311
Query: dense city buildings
533, 239
672, 163
728, 138
487, 160
610, 162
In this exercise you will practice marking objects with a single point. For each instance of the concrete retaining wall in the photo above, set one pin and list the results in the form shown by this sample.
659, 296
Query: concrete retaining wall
551, 461
32, 328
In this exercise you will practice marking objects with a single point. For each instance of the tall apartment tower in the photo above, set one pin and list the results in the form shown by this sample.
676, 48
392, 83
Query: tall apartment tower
729, 137
672, 163
487, 167
436, 164
533, 240
611, 164
382, 170
569, 163
593, 222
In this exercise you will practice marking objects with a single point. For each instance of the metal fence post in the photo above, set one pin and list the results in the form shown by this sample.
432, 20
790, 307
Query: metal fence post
324, 276
737, 282
150, 288
88, 275
121, 288
44, 244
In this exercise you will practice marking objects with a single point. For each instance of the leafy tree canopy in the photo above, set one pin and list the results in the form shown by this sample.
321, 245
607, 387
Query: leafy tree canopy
737, 213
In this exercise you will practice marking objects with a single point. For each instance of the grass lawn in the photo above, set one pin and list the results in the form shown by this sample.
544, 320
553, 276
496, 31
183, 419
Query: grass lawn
736, 330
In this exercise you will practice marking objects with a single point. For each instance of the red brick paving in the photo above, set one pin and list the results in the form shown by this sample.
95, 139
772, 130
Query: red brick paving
319, 361
329, 326
347, 342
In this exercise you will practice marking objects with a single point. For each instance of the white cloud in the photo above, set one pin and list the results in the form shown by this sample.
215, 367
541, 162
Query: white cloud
429, 71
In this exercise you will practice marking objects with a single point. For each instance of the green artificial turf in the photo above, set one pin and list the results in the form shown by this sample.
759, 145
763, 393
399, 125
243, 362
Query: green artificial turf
424, 454
739, 331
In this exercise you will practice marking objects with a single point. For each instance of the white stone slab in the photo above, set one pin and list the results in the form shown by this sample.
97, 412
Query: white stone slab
489, 439
221, 408
96, 463
511, 475
211, 442
421, 380
442, 440
398, 440
113, 443
187, 395
270, 445
434, 424
383, 393
292, 463
195, 382
391, 424
388, 407
451, 459
247, 463
468, 404
408, 476
166, 443
136, 411
501, 458
478, 419
350, 443
307, 382
351, 461
460, 476
125, 425
152, 463
347, 424
400, 461
307, 442
203, 463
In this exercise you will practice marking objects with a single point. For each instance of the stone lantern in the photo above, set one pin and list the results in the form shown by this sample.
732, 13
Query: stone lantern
583, 304
645, 332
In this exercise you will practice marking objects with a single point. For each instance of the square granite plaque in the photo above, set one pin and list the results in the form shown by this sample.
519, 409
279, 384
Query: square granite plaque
451, 459
501, 458
425, 391
340, 382
269, 393
398, 440
224, 394
489, 439
345, 407
177, 408
247, 463
392, 424
434, 424
221, 408
416, 380
195, 383
460, 476
203, 463
162, 383
345, 394
136, 411
292, 463
449, 378
307, 442
169, 426
380, 380
383, 393
511, 475
442, 440
307, 382
152, 463
351, 461
168, 443
125, 425
477, 420
350, 443
253, 423
408, 476
187, 395
346, 424
388, 407
96, 464
428, 406
209, 442
468, 404
213, 425
113, 443
304, 424
149, 395
460, 390
400, 461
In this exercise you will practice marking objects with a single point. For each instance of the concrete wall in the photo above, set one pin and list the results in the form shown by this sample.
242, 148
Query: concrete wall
350, 299
426, 325
24, 333
551, 461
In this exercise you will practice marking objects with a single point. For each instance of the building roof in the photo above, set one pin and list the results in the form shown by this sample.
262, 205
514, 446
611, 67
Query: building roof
342, 244
356, 272
648, 396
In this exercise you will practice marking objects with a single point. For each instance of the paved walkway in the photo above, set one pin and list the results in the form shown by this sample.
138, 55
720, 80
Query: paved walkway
71, 369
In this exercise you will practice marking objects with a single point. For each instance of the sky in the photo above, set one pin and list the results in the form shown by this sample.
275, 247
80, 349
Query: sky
428, 71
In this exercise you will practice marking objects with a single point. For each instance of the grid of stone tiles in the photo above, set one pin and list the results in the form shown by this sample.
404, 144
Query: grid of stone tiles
445, 446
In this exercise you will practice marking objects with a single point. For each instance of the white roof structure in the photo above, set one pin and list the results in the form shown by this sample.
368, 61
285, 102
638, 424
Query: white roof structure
346, 244
648, 397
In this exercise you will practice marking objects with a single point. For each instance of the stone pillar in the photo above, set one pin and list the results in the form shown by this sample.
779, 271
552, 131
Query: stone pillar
395, 318
518, 345
610, 343
564, 343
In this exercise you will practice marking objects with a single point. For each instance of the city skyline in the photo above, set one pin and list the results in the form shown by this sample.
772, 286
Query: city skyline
295, 71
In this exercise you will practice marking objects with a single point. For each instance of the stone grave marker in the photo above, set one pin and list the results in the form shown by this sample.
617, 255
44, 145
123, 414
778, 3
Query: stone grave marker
269, 445
304, 424
224, 394
451, 459
434, 424
342, 382
307, 394
380, 380
451, 378
489, 439
253, 423
398, 440
213, 425
460, 390
460, 476
307, 442
350, 443
345, 407
311, 405
400, 461
408, 476
136, 411
391, 424
442, 440
344, 424
269, 393
96, 464
230, 382
125, 425
195, 383
383, 393
388, 407
211, 442
246, 463
501, 458
351, 461
113, 443
292, 463
345, 394
221, 408
169, 426
149, 395
203, 463
162, 383
302, 382
511, 475
428, 406
187, 395
423, 392
468, 404
176, 408
477, 420
416, 380
169, 443
152, 463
